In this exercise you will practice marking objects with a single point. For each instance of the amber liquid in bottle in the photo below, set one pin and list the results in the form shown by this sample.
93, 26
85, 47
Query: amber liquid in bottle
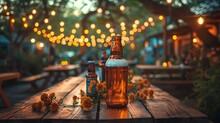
116, 76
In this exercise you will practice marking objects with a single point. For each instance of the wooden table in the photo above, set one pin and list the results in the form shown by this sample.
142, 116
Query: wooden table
4, 77
171, 70
57, 70
163, 108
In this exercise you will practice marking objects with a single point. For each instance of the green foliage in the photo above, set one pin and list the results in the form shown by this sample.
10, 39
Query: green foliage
207, 88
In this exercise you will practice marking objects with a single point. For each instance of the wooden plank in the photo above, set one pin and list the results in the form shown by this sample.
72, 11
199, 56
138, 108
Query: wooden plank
196, 116
68, 112
26, 114
134, 112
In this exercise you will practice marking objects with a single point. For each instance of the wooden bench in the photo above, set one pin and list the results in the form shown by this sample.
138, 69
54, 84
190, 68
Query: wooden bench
33, 79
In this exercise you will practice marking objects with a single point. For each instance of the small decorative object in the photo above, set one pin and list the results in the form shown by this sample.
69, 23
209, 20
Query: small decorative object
102, 66
46, 101
91, 77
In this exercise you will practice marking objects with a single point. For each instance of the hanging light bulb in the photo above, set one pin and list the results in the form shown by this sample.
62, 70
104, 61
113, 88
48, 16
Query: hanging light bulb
200, 20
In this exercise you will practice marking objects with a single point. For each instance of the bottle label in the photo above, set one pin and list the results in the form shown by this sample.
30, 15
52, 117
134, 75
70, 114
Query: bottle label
90, 90
100, 74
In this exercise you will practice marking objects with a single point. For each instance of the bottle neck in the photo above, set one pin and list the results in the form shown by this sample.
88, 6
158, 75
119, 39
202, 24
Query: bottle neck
116, 50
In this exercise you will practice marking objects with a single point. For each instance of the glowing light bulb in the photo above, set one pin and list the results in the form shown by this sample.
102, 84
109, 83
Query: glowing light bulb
99, 10
62, 23
46, 20
34, 11
122, 7
200, 20
77, 25
53, 13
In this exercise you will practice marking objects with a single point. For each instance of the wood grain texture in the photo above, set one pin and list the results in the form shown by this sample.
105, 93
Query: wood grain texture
69, 113
25, 112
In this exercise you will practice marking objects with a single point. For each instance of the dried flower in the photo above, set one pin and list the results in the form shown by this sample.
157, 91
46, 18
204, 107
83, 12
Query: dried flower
90, 89
130, 74
34, 106
75, 98
145, 91
44, 96
100, 87
151, 92
93, 82
104, 96
140, 84
54, 107
143, 97
138, 93
47, 102
39, 106
130, 86
131, 96
82, 93
52, 95
87, 103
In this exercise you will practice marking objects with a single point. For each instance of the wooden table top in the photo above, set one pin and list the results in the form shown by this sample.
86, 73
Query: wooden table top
9, 76
162, 108
61, 67
154, 67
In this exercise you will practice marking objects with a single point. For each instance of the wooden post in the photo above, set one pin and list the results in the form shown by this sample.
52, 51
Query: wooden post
165, 37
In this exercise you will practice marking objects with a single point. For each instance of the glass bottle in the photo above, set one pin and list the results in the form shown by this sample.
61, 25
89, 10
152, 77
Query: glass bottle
91, 76
116, 76
102, 66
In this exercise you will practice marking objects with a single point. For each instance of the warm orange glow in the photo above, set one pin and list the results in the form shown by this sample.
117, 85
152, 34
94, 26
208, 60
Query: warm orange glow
46, 20
122, 7
111, 30
36, 24
169, 1
24, 19
200, 20
150, 19
35, 29
30, 17
77, 25
164, 64
136, 22
7, 13
161, 17
64, 62
86, 31
107, 25
146, 24
99, 10
195, 40
61, 29
62, 23
25, 25
132, 45
103, 36
41, 44
98, 31
33, 40
122, 23
13, 20
49, 27
73, 31
43, 31
174, 37
5, 7
53, 13
92, 26
34, 11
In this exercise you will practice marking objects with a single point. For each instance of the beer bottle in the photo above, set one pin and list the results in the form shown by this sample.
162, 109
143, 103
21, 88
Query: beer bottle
116, 76
102, 66
91, 76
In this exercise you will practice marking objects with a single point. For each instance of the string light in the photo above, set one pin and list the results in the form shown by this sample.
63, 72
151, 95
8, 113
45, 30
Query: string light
53, 13
146, 24
86, 31
5, 7
200, 20
24, 19
107, 25
62, 23
98, 31
34, 11
13, 20
136, 22
99, 10
160, 17
169, 1
30, 17
36, 24
49, 27
195, 40
33, 40
25, 25
122, 23
122, 7
7, 13
77, 25
150, 19
174, 37
46, 20
92, 26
